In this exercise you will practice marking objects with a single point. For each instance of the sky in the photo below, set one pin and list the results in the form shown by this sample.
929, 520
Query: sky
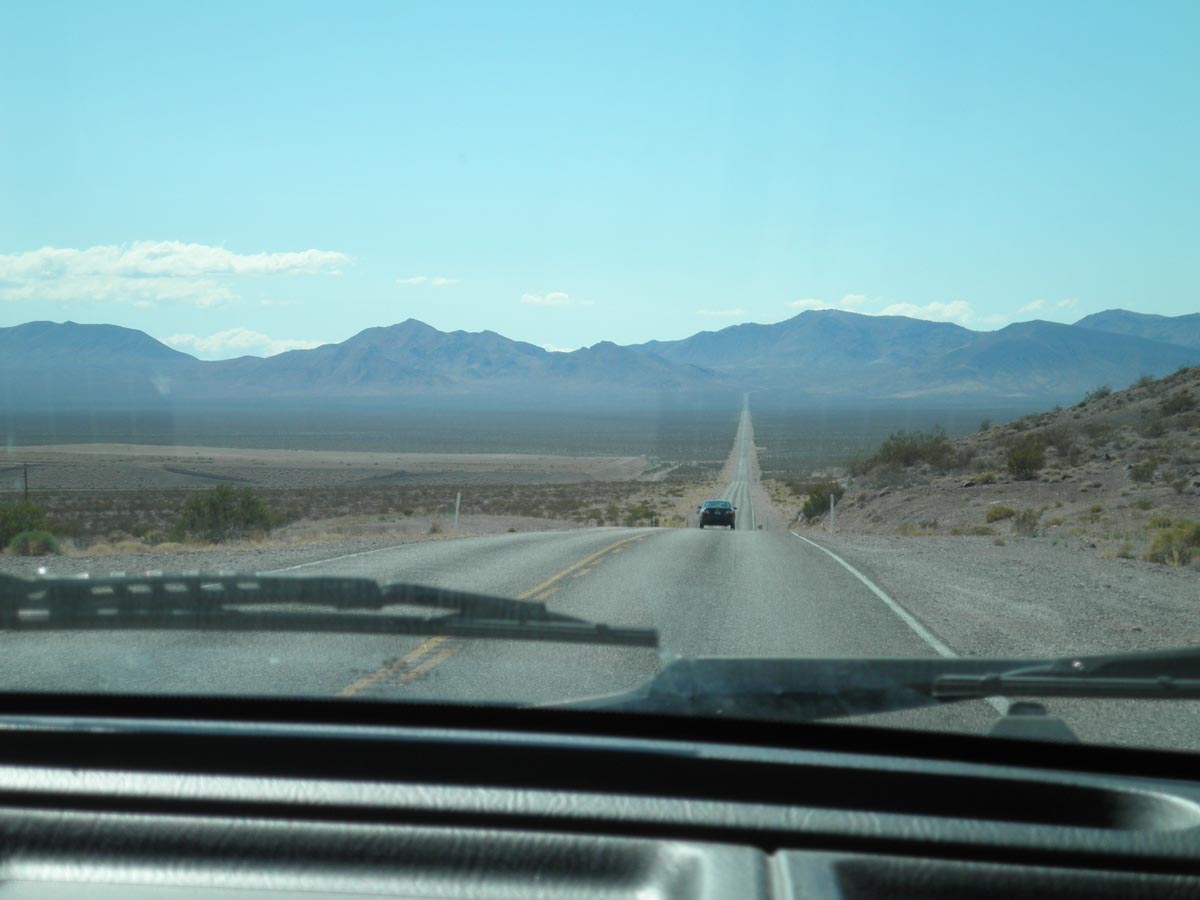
253, 177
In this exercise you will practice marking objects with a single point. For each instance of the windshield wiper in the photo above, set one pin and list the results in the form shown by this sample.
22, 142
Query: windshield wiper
288, 604
813, 688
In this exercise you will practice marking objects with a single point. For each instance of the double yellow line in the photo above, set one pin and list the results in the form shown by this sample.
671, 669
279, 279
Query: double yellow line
437, 650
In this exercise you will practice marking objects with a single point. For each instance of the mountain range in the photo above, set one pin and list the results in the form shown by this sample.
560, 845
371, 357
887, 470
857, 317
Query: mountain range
825, 354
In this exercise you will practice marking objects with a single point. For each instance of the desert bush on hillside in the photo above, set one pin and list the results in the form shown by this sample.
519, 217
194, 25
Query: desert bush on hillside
34, 543
1026, 522
1024, 459
1061, 438
1151, 424
818, 498
907, 448
18, 517
1175, 546
1180, 401
996, 513
1144, 381
224, 514
1143, 472
1098, 393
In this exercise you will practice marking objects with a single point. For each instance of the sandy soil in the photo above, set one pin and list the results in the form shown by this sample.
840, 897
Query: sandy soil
149, 467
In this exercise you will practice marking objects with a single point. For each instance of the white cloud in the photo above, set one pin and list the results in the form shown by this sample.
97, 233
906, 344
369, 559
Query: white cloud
848, 302
958, 311
147, 272
554, 349
721, 313
235, 342
554, 298
1031, 307
432, 281
1069, 303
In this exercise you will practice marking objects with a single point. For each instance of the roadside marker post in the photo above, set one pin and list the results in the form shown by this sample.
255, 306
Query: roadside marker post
457, 503
831, 512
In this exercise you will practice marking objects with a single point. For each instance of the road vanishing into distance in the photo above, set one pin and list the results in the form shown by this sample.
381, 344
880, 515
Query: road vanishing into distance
710, 592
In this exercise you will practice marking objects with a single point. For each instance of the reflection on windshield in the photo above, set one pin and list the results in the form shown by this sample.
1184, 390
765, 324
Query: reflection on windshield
665, 339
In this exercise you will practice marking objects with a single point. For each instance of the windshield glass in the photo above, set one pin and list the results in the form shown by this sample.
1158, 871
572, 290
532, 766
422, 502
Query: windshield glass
492, 300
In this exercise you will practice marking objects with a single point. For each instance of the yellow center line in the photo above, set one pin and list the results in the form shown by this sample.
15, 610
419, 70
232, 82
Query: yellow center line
391, 668
424, 658
532, 593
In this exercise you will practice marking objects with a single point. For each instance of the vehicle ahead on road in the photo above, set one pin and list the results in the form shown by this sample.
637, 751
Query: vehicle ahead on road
717, 512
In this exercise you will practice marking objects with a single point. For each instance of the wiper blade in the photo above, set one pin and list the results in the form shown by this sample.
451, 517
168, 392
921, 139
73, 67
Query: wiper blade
813, 688
1153, 675
288, 604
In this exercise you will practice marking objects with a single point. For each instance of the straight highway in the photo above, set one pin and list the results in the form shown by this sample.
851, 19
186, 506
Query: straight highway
712, 592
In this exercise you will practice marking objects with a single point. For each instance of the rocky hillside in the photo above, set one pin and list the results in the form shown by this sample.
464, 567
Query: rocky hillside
1118, 473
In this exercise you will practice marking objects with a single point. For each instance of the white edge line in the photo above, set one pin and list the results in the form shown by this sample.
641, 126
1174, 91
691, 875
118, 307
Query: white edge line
922, 632
319, 562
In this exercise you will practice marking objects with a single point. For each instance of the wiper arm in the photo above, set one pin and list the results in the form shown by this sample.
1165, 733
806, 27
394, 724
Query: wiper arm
814, 688
287, 604
1153, 675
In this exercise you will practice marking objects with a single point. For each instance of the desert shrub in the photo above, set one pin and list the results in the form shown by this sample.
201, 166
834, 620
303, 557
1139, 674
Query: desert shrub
1179, 485
435, 527
1061, 438
1099, 393
1099, 432
1175, 546
34, 543
1144, 503
985, 424
1026, 522
907, 448
1144, 381
223, 513
1143, 472
1180, 401
1151, 425
18, 517
818, 498
986, 478
1160, 522
979, 530
997, 513
1024, 459
1057, 521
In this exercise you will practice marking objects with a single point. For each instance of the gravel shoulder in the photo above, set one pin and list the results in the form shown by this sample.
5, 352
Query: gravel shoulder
1028, 597
261, 557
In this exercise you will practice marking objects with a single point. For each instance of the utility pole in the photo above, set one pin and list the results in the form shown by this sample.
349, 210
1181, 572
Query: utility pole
457, 503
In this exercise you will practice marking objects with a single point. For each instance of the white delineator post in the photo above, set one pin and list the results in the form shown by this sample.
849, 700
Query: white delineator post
831, 512
457, 503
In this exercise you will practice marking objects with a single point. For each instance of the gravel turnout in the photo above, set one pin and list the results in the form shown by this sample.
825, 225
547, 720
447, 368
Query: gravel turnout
1028, 597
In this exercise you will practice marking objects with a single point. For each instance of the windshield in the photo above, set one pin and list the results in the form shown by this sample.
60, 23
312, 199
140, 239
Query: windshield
501, 301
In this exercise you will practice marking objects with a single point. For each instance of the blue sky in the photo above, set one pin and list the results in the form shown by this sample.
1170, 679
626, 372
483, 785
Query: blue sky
250, 177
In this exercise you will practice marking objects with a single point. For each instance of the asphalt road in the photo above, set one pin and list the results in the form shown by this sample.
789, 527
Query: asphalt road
710, 592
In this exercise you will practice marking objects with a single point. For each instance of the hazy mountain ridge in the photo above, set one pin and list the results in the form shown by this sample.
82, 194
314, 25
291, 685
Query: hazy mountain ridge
1183, 330
822, 354
832, 353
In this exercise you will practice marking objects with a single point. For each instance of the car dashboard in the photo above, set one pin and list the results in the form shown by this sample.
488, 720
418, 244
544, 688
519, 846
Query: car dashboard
219, 798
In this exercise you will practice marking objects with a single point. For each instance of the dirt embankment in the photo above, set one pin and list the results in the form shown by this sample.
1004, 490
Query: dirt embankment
1112, 474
